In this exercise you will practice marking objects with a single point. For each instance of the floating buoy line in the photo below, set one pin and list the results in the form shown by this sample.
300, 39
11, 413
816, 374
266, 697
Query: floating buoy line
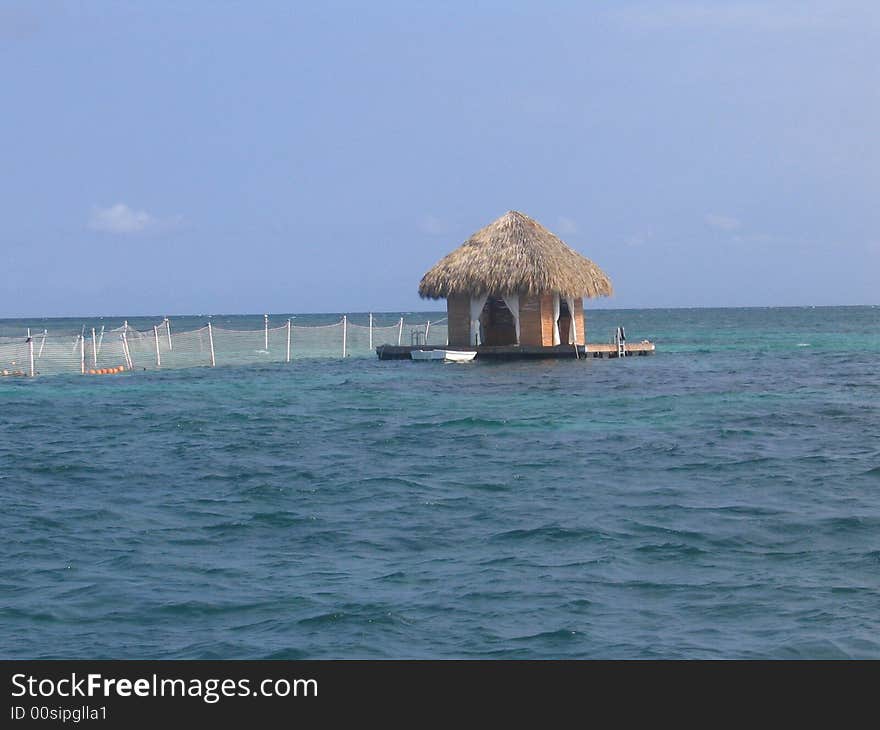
107, 371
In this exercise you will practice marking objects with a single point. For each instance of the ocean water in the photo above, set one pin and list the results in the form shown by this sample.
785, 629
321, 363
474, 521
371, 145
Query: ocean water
718, 500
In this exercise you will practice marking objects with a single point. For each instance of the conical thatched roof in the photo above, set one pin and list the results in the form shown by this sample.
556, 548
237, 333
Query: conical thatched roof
515, 254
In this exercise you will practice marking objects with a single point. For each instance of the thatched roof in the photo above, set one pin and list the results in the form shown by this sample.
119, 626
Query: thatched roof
515, 254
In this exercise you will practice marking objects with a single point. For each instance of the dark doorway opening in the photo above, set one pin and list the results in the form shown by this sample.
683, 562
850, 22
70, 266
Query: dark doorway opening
564, 322
499, 327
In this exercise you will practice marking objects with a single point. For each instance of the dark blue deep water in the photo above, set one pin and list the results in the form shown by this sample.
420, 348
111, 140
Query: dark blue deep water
721, 499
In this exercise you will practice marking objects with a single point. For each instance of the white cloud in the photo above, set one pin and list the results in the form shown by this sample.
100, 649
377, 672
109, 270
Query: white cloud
566, 226
786, 15
637, 239
721, 222
122, 220
18, 23
434, 226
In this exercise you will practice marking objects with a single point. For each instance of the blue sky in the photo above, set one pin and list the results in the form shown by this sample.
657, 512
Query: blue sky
170, 157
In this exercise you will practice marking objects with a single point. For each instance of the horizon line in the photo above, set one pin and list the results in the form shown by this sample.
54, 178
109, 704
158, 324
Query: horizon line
417, 311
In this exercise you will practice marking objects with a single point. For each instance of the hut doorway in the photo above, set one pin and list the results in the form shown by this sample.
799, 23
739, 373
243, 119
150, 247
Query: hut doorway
564, 322
497, 323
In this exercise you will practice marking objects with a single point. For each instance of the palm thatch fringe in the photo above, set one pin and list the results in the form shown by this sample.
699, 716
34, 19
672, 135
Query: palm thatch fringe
515, 254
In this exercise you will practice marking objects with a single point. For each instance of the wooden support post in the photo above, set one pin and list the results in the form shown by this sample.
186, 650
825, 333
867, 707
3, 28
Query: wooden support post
288, 340
128, 361
211, 342
158, 356
400, 332
94, 349
168, 332
30, 341
371, 331
266, 332
344, 336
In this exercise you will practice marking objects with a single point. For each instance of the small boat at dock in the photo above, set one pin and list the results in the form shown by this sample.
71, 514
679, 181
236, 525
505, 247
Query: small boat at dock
444, 355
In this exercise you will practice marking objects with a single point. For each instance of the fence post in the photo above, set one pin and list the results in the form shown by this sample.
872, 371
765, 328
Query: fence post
42, 344
101, 338
344, 335
128, 360
211, 342
427, 329
30, 341
168, 332
371, 331
266, 332
82, 354
94, 349
158, 357
400, 332
288, 340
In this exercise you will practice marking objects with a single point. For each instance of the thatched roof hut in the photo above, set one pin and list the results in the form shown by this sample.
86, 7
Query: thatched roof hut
515, 282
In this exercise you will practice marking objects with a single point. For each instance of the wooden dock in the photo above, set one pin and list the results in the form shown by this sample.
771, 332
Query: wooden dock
524, 352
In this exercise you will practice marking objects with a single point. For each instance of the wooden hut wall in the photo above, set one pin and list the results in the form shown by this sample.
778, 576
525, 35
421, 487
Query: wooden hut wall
535, 320
547, 323
530, 320
580, 332
458, 310
565, 323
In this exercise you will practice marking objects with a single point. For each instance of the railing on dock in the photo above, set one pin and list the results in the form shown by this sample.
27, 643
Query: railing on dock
94, 352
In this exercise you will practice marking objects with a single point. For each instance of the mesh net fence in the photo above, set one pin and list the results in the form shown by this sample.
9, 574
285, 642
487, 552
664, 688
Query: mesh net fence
95, 351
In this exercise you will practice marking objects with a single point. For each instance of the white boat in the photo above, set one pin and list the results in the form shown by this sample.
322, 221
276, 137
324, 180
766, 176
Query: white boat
444, 355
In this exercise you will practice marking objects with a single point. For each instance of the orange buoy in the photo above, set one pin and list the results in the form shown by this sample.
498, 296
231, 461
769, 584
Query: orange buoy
91, 372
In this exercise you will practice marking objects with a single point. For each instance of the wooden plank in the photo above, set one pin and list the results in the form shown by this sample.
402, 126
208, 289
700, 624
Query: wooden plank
523, 352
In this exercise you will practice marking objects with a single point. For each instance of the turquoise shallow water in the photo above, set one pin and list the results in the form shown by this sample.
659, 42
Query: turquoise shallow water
721, 499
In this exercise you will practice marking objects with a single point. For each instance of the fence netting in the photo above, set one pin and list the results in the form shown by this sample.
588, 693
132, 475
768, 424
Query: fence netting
125, 348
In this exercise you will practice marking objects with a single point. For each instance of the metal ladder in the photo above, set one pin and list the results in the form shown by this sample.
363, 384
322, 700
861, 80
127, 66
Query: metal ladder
620, 341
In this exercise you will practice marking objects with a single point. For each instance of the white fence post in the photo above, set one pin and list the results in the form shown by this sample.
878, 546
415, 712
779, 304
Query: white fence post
371, 331
82, 354
94, 349
211, 342
400, 332
288, 340
158, 356
31, 355
427, 330
128, 360
42, 343
266, 332
344, 335
168, 332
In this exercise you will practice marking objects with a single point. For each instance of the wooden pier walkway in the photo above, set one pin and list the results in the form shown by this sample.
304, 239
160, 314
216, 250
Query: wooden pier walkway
523, 352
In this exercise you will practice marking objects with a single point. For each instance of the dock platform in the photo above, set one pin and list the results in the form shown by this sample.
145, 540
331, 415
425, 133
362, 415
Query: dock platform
524, 352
